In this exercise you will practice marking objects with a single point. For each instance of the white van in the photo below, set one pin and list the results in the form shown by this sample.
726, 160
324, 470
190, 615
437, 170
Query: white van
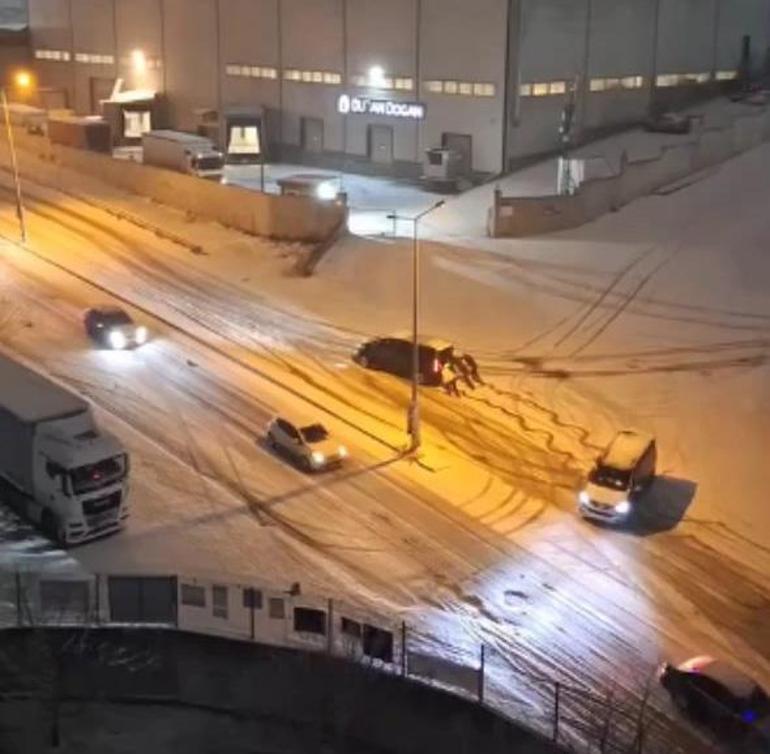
623, 471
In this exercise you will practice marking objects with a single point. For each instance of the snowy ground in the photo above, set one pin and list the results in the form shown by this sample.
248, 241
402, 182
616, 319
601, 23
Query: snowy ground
656, 316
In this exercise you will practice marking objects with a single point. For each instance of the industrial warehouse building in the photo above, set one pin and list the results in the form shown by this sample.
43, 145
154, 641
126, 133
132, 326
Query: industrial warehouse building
372, 84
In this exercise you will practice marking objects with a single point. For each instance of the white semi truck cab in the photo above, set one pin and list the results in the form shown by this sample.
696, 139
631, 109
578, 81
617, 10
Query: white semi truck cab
57, 467
184, 153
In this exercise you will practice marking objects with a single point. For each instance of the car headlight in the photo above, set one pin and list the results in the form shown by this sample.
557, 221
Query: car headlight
318, 458
116, 339
141, 335
343, 451
623, 507
584, 498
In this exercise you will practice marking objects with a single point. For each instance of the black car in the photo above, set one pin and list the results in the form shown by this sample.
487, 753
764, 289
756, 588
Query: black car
112, 327
394, 354
721, 697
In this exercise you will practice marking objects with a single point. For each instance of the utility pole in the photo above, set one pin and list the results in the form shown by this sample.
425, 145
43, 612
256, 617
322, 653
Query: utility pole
413, 413
15, 165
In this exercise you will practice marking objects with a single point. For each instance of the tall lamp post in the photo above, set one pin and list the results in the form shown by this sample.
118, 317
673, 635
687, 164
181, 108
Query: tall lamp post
23, 81
413, 412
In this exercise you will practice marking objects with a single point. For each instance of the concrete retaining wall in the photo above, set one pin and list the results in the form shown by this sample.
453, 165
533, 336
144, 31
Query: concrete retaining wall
331, 705
516, 217
286, 218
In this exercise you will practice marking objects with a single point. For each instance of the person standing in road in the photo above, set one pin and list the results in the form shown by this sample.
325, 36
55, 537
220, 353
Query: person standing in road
472, 367
449, 381
460, 368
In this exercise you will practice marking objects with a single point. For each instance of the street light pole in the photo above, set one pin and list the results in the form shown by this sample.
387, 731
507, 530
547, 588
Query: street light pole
14, 163
413, 415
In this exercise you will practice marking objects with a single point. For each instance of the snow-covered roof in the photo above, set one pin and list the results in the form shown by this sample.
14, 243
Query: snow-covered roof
626, 449
31, 397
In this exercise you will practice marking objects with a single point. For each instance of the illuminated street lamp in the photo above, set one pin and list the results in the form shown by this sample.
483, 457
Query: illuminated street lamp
139, 62
23, 81
413, 412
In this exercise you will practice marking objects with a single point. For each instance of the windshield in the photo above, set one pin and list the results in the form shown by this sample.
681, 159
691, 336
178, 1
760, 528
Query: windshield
97, 475
213, 162
314, 433
606, 476
116, 318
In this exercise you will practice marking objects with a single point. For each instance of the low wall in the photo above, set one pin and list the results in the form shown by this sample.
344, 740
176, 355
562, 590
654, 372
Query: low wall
324, 703
516, 217
286, 218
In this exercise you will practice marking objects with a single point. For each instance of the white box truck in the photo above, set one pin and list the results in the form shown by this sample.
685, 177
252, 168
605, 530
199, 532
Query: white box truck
57, 467
184, 153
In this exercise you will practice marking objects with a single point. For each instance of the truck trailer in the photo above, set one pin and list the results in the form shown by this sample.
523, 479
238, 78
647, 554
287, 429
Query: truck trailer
184, 153
57, 467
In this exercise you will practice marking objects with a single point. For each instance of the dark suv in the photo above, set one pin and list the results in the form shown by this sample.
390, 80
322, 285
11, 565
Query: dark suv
394, 354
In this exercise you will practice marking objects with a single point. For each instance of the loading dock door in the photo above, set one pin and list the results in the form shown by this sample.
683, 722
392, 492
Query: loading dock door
381, 144
312, 134
463, 145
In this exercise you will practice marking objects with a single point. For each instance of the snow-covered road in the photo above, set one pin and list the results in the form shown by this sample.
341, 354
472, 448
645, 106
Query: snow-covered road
487, 547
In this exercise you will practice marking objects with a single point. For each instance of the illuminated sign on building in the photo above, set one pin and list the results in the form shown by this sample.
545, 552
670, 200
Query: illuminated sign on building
353, 105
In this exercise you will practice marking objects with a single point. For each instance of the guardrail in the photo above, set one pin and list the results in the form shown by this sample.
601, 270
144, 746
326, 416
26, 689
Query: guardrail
567, 714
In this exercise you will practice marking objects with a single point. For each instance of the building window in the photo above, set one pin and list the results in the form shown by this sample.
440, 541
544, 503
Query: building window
483, 90
632, 82
276, 608
193, 595
58, 55
309, 621
312, 77
464, 88
252, 598
608, 84
405, 84
94, 59
251, 71
219, 601
682, 79
726, 75
540, 90
351, 628
525, 90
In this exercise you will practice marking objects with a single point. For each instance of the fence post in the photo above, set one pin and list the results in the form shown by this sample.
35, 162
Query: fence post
252, 599
403, 649
482, 663
97, 599
330, 627
556, 703
19, 620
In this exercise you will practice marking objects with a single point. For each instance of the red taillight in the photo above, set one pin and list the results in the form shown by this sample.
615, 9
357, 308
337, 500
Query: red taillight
436, 366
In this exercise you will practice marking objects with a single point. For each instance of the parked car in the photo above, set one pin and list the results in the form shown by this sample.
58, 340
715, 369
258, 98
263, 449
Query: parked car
668, 123
722, 698
112, 327
310, 447
619, 476
394, 354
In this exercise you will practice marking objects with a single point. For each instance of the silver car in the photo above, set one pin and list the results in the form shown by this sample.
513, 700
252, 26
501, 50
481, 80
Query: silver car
309, 447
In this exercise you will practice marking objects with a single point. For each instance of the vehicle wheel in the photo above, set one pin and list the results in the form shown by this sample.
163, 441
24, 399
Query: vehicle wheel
52, 529
363, 361
270, 442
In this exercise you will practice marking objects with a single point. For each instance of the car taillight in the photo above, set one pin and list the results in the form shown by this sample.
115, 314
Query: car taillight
436, 366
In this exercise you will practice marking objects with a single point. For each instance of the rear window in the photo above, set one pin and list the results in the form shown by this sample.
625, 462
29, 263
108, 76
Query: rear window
314, 433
